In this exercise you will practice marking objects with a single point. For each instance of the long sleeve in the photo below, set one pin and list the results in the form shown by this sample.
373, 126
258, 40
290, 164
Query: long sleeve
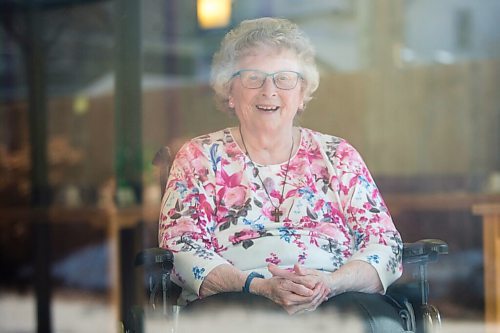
187, 218
216, 211
376, 239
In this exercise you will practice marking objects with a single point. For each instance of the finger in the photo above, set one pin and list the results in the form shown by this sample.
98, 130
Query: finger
310, 303
297, 308
291, 310
321, 293
313, 305
297, 288
300, 270
303, 308
276, 271
324, 295
317, 301
285, 274
327, 292
306, 280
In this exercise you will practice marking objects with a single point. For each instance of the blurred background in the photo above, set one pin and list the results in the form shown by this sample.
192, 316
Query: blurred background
90, 90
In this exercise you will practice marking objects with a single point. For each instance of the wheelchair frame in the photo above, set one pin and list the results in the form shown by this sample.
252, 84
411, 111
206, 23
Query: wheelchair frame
412, 299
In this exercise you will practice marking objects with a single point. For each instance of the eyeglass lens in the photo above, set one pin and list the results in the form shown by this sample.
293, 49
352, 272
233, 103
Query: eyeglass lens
255, 79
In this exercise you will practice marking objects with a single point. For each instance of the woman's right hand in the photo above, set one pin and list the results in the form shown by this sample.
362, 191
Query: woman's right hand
293, 297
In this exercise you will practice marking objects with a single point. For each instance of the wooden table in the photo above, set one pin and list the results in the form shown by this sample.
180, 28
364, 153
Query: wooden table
491, 247
446, 201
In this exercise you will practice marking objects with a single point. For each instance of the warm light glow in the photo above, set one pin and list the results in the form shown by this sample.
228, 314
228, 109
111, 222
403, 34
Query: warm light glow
80, 105
213, 13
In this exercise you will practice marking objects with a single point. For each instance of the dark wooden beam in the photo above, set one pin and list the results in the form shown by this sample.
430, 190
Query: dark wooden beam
34, 54
128, 135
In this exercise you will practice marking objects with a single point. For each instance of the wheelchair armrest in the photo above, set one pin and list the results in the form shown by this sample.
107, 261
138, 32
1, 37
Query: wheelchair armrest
155, 256
424, 251
158, 264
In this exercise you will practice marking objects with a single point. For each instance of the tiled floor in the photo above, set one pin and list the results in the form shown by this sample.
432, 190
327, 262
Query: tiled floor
75, 314
69, 314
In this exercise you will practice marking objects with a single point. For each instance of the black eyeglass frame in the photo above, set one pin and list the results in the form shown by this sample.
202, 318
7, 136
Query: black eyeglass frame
272, 75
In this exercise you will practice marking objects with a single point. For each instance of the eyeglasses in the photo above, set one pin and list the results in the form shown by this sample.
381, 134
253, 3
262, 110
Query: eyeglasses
254, 79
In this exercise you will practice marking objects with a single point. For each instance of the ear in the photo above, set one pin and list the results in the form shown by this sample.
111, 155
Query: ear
230, 102
302, 104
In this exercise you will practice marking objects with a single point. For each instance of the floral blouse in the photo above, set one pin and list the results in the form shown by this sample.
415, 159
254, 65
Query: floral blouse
215, 211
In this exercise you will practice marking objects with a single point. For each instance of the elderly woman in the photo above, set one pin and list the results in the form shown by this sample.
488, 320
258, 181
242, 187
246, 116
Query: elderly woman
269, 208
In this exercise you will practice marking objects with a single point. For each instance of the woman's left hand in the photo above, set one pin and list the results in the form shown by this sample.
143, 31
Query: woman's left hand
310, 278
355, 275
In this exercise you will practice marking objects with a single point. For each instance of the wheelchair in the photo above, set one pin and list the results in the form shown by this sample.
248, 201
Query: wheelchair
409, 295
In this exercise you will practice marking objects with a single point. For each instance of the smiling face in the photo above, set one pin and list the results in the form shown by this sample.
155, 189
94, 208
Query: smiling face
268, 108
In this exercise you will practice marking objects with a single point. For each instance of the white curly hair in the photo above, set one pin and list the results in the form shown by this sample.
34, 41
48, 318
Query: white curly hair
278, 33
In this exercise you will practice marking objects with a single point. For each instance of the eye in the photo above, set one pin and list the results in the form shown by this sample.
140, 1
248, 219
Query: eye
283, 76
253, 76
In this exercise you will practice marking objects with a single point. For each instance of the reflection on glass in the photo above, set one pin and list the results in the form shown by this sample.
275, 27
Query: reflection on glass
412, 84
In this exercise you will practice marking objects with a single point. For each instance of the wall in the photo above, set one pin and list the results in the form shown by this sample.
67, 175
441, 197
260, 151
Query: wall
414, 121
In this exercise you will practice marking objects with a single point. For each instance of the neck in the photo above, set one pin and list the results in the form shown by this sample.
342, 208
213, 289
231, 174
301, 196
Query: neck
273, 148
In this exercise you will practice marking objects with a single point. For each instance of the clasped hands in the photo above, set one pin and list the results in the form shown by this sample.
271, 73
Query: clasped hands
298, 290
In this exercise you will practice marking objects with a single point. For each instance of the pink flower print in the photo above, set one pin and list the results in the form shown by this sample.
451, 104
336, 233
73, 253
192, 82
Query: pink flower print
231, 180
353, 181
298, 167
337, 218
319, 204
218, 247
334, 184
182, 226
204, 207
198, 163
242, 235
252, 186
200, 168
302, 258
273, 259
327, 229
310, 154
343, 152
305, 219
375, 218
235, 196
233, 151
266, 211
209, 189
300, 244
271, 187
344, 189
313, 238
291, 193
319, 170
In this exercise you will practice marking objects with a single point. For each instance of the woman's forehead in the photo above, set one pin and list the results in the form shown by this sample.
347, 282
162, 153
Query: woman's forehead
271, 50
267, 54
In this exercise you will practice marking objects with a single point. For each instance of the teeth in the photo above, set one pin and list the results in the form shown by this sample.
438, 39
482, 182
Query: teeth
267, 108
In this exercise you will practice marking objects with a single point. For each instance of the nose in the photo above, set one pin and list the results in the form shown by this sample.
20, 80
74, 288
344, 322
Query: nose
268, 88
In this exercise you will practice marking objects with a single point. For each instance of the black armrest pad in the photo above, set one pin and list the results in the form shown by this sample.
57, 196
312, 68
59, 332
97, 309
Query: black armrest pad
424, 250
155, 256
427, 249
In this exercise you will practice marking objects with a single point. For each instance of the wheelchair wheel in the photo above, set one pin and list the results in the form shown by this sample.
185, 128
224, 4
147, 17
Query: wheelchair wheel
135, 320
431, 319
